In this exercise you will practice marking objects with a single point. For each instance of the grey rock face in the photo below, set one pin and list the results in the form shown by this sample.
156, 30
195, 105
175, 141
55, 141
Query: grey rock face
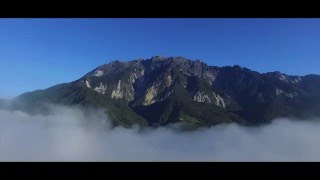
170, 89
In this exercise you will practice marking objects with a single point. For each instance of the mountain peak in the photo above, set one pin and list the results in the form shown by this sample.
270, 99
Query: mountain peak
163, 90
158, 58
116, 62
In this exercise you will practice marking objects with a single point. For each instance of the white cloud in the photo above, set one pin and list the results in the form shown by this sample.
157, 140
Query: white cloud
66, 135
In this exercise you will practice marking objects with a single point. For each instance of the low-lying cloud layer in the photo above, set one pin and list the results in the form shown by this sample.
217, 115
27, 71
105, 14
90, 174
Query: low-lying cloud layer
66, 135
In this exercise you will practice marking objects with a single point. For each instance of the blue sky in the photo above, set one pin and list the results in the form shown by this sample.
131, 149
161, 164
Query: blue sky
39, 53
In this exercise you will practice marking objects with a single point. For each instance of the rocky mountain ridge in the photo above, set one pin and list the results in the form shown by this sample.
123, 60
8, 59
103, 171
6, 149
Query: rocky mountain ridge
163, 90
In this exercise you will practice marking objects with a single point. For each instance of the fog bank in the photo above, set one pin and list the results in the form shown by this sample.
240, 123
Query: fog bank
66, 135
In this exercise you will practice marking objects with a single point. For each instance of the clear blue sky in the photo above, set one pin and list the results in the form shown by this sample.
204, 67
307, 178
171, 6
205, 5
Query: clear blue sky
39, 53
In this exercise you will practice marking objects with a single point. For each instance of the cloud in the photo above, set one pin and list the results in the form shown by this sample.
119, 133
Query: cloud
76, 134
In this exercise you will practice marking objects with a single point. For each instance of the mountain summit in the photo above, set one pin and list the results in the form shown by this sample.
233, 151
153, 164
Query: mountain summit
163, 90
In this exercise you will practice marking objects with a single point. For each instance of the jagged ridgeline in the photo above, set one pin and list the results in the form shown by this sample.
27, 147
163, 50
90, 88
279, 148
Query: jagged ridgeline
163, 90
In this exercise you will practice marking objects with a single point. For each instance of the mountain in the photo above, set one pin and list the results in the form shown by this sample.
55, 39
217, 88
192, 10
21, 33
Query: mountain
163, 90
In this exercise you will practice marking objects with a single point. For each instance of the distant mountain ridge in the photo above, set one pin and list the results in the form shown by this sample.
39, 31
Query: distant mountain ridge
163, 90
